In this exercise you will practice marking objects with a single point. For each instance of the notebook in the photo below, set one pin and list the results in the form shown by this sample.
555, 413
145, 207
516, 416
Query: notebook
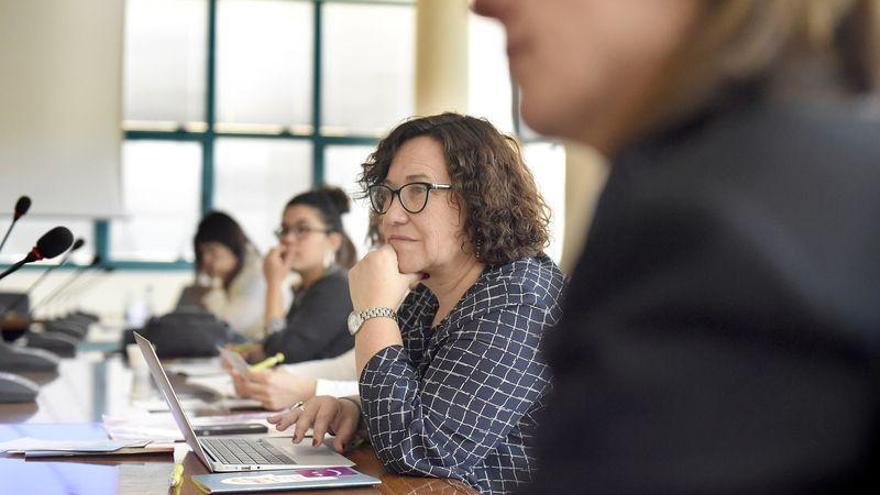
293, 479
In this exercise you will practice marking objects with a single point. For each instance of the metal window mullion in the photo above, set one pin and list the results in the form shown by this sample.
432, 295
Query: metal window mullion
102, 240
317, 143
207, 198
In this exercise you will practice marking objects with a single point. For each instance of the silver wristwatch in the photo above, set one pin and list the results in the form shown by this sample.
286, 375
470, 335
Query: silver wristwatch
357, 318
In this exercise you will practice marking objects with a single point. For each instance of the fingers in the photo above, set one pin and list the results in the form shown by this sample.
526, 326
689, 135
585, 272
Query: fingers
259, 377
284, 420
303, 423
226, 366
345, 429
262, 395
239, 384
287, 258
323, 418
243, 386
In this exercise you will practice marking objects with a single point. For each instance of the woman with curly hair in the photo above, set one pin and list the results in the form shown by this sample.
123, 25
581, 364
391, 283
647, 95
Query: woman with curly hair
449, 312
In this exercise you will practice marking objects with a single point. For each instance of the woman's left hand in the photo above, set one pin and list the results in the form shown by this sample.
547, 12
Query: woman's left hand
376, 281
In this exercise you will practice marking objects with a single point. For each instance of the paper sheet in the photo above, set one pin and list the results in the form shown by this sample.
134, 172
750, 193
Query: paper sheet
25, 444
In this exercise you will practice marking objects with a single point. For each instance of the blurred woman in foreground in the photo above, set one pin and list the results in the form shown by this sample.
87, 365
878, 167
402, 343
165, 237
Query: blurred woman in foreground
720, 333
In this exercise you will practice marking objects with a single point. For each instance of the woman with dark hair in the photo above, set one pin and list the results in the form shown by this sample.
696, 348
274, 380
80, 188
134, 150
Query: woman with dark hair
450, 374
720, 334
313, 244
228, 275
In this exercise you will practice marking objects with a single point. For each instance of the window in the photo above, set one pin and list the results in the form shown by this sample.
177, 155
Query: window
255, 178
369, 69
238, 105
489, 86
164, 63
160, 184
343, 166
547, 163
224, 110
264, 65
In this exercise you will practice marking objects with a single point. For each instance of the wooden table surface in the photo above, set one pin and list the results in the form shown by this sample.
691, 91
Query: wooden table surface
73, 401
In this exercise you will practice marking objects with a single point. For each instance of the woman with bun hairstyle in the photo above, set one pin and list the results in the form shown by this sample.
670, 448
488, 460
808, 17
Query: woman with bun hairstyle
313, 244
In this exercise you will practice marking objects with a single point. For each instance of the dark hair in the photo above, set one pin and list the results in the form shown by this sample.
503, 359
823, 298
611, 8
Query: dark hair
219, 227
506, 217
331, 203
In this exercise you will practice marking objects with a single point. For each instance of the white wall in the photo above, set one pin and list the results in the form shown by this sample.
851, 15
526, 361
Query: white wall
60, 105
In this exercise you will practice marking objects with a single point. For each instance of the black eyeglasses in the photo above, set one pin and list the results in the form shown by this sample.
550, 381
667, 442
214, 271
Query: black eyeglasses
298, 231
413, 196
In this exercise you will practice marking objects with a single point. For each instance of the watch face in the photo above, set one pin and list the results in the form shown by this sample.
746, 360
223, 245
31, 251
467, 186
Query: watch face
354, 322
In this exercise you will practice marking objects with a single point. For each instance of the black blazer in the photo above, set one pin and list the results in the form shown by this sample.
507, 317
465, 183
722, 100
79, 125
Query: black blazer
316, 322
722, 329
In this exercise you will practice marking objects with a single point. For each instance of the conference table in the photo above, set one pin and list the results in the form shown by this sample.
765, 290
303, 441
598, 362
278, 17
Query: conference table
71, 405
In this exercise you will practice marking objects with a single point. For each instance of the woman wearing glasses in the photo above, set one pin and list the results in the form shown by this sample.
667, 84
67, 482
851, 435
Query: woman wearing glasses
312, 334
313, 244
449, 313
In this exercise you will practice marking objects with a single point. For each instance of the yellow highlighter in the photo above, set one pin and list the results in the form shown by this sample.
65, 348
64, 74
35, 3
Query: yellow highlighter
176, 476
268, 362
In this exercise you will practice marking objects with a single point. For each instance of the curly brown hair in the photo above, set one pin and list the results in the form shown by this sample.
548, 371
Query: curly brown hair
506, 218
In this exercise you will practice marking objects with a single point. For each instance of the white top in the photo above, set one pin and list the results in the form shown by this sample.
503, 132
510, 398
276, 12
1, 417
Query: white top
243, 304
335, 376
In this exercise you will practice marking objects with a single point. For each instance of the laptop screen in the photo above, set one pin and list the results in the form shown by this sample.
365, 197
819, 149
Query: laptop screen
164, 385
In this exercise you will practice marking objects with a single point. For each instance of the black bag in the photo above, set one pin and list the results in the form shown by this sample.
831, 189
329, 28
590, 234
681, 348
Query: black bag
186, 333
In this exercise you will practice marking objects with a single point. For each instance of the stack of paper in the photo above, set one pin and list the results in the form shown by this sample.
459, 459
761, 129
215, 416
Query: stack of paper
34, 447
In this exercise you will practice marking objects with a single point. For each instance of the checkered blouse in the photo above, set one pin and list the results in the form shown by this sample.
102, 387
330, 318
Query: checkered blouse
459, 401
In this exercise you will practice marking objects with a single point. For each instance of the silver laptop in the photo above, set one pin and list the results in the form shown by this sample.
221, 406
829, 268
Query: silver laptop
223, 454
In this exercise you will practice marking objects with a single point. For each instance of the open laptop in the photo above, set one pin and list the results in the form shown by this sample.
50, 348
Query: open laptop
224, 454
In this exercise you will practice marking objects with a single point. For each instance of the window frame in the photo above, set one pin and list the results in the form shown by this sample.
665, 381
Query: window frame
207, 137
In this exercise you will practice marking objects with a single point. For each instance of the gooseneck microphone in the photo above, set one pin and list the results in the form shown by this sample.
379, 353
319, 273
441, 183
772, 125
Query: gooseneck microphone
80, 242
53, 243
21, 207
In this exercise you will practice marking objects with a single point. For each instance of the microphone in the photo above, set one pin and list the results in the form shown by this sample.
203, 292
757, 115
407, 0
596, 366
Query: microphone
80, 242
53, 243
21, 207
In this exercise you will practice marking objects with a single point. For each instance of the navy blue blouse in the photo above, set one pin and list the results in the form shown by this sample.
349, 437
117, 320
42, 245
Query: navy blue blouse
459, 400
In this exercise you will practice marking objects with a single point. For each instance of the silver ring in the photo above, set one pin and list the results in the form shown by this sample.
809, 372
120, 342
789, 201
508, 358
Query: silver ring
298, 405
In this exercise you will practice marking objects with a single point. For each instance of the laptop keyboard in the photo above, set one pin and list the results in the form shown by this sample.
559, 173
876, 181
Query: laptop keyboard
244, 451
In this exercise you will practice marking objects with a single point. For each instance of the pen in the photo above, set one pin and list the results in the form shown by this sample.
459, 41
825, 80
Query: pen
176, 476
268, 362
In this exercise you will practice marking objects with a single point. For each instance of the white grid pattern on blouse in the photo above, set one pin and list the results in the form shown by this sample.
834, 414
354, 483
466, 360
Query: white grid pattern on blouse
460, 401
